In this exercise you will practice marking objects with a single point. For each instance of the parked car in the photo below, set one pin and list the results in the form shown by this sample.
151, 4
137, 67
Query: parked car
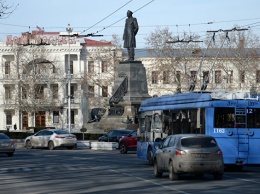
7, 145
189, 153
128, 142
51, 138
114, 135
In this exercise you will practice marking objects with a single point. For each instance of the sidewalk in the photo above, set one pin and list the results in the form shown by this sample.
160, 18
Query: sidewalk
80, 144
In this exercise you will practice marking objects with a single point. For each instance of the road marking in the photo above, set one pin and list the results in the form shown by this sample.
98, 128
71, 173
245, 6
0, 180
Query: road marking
242, 179
150, 181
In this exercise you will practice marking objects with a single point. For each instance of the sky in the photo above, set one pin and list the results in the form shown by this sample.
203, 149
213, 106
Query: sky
107, 17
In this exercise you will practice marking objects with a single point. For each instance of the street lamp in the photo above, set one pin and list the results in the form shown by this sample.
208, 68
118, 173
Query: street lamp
69, 30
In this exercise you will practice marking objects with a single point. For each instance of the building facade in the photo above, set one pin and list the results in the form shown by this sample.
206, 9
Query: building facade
37, 69
35, 72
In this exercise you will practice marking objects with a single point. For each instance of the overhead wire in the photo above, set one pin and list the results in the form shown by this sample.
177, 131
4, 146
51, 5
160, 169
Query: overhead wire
124, 17
107, 16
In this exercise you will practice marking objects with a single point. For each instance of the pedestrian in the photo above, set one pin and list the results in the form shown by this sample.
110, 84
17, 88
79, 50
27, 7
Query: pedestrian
15, 127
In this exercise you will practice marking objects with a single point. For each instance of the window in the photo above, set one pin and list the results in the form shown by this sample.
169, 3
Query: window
8, 93
242, 76
166, 77
72, 117
154, 77
205, 76
253, 118
40, 119
104, 91
71, 67
193, 75
39, 92
7, 67
55, 116
224, 118
91, 91
258, 76
166, 142
54, 69
217, 77
8, 119
55, 91
91, 66
104, 66
24, 92
230, 77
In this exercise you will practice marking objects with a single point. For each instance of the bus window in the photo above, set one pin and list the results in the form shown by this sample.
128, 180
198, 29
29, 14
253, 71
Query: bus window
224, 118
148, 123
253, 117
157, 122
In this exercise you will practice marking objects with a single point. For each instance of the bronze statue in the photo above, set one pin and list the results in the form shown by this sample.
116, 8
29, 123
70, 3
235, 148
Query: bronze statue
131, 29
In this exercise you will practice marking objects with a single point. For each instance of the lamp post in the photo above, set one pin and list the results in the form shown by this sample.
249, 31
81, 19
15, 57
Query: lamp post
69, 30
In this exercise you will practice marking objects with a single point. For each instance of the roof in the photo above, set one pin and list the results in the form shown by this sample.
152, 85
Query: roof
199, 52
89, 42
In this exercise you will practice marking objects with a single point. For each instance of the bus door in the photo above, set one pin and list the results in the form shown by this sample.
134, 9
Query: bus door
242, 135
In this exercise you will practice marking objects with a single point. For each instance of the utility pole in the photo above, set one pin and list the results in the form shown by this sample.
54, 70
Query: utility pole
69, 33
69, 30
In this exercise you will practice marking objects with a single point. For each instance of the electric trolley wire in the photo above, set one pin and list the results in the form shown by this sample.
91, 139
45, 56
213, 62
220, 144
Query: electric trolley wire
122, 18
107, 16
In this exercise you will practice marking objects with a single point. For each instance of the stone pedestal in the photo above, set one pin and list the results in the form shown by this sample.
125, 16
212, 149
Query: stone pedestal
129, 95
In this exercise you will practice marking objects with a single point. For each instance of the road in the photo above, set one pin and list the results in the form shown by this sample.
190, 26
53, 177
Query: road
40, 171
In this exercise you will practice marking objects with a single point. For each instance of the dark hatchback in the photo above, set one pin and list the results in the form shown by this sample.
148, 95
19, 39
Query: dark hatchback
114, 135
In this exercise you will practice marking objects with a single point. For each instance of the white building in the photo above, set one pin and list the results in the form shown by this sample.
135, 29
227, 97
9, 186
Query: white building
34, 78
35, 67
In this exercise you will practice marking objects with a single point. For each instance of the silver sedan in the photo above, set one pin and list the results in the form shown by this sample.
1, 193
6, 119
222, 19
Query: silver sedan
189, 153
7, 145
51, 138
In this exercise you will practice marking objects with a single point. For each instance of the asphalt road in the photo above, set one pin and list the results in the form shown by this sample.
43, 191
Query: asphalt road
41, 171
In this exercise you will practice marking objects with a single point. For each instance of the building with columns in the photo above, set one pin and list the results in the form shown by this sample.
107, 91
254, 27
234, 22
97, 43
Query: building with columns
36, 67
34, 77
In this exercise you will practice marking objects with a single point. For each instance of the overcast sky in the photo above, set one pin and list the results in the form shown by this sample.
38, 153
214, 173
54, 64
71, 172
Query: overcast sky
107, 17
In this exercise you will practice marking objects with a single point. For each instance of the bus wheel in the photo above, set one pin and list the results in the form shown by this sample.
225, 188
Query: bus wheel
156, 171
150, 156
172, 174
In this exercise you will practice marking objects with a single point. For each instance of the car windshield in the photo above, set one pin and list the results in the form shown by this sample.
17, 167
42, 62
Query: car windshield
3, 136
61, 132
198, 142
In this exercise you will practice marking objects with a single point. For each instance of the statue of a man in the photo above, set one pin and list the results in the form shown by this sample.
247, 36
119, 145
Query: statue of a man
131, 29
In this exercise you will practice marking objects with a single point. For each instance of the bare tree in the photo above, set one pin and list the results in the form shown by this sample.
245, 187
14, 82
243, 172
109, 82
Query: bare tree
172, 59
6, 9
32, 81
237, 58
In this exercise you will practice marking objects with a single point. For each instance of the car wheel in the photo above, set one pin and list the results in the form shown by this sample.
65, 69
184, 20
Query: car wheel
122, 148
172, 174
150, 156
28, 144
51, 145
70, 147
156, 171
218, 175
10, 154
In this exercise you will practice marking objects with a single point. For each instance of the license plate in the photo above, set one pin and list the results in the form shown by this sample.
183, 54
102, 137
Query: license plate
4, 144
200, 155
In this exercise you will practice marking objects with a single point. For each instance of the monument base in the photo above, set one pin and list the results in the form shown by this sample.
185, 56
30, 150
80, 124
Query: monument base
130, 89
